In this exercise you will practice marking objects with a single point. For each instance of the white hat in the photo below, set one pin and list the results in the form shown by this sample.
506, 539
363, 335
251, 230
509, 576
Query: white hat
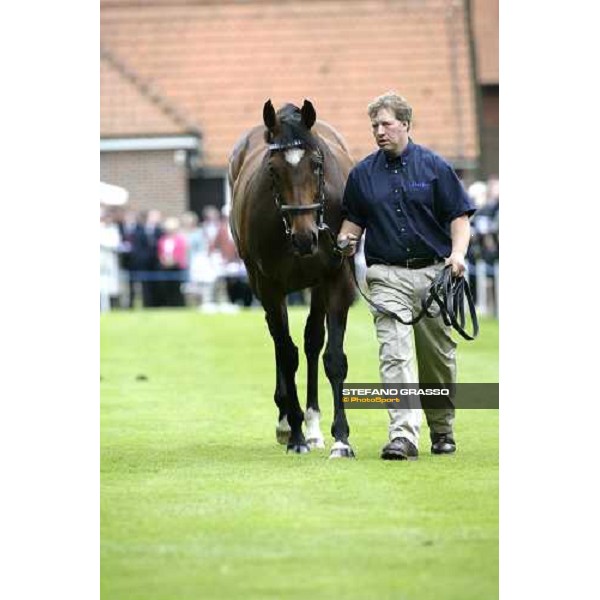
478, 193
112, 195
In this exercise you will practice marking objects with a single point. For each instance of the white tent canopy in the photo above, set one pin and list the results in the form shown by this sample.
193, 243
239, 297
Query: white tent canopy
112, 195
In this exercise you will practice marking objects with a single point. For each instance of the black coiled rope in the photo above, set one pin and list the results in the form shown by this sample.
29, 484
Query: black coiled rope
447, 291
449, 294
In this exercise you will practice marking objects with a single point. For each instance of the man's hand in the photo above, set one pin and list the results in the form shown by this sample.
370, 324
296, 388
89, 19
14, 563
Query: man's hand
348, 236
457, 262
347, 243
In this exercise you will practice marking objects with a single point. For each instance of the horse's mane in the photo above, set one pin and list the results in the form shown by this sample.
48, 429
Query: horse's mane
291, 127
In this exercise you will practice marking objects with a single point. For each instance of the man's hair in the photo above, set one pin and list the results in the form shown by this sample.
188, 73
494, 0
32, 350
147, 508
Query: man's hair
397, 104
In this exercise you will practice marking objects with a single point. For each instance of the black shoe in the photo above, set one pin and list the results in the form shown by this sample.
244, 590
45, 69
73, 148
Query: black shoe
442, 443
400, 449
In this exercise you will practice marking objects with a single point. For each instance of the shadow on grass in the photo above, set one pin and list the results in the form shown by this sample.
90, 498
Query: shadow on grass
154, 459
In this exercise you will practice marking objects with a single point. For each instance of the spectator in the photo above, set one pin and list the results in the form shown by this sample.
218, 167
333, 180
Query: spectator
211, 222
485, 223
110, 240
148, 257
129, 229
172, 256
493, 190
197, 252
231, 268
483, 250
494, 202
478, 193
207, 265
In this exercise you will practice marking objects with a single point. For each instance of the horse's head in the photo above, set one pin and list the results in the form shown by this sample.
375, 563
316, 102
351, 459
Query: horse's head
296, 167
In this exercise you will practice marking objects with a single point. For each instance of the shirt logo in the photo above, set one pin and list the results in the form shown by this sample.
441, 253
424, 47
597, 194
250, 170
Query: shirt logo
418, 185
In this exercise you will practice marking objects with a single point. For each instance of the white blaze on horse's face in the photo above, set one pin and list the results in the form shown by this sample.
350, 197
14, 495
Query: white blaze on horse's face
294, 156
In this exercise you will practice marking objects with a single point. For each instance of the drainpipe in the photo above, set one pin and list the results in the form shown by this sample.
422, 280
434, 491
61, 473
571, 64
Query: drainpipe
475, 84
451, 25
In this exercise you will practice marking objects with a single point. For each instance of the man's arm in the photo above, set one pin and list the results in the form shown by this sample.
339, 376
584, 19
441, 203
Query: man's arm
460, 232
349, 234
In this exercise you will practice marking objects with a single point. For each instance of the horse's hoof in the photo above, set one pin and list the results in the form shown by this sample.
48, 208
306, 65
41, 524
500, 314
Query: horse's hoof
283, 431
316, 443
341, 450
298, 448
342, 453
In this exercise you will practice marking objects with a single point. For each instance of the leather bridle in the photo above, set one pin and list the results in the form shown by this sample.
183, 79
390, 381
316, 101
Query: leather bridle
290, 209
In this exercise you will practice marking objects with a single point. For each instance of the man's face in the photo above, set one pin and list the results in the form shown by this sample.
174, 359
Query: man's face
390, 134
154, 217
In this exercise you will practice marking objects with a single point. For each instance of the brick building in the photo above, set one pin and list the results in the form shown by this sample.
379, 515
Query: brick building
182, 79
485, 21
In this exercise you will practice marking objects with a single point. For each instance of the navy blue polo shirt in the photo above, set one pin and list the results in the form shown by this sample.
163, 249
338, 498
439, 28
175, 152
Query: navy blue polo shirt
406, 204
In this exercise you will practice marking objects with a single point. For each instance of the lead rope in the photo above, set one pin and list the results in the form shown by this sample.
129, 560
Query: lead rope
446, 290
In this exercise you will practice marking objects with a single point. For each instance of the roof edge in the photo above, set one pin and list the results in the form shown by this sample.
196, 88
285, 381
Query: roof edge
149, 90
167, 142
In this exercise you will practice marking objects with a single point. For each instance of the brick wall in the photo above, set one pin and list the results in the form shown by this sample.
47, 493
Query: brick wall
153, 179
490, 133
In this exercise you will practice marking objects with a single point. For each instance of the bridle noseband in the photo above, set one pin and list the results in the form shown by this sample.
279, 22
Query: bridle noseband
291, 209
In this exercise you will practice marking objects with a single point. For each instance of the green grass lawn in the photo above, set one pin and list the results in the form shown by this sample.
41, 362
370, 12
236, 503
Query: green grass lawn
199, 502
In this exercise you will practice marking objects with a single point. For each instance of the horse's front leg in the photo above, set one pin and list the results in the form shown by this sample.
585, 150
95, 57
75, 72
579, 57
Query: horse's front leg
286, 359
336, 368
314, 339
282, 430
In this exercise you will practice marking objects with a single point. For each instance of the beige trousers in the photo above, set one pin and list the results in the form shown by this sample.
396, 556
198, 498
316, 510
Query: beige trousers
400, 290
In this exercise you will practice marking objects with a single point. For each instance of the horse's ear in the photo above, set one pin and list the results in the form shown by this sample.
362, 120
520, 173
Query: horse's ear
269, 115
309, 115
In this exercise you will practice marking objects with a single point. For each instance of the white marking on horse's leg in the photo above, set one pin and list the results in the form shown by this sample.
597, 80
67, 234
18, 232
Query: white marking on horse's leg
294, 155
283, 431
341, 450
314, 437
339, 446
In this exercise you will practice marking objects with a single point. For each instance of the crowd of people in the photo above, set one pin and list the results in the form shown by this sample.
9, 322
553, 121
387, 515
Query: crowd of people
170, 262
484, 242
484, 246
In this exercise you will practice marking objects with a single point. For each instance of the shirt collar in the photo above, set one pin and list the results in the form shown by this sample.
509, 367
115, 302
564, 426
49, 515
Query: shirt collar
404, 156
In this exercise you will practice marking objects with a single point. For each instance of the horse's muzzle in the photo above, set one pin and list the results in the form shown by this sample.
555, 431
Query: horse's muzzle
305, 243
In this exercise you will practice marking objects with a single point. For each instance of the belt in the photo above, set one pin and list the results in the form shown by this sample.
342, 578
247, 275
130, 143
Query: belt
417, 263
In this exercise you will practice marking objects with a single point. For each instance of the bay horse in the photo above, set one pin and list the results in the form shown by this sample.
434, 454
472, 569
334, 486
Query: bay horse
287, 179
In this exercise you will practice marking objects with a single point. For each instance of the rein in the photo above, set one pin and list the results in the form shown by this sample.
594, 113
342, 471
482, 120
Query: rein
447, 291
